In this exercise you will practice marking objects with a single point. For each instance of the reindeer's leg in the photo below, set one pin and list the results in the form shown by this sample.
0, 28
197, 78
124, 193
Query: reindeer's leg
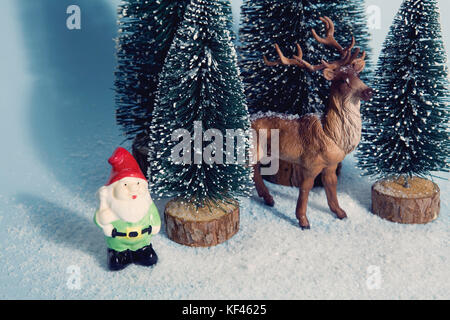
329, 180
302, 203
261, 187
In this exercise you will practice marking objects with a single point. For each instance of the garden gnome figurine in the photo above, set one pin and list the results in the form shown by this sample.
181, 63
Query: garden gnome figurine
127, 215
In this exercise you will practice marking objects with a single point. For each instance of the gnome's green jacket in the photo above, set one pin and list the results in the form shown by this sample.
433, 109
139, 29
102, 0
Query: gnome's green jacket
127, 239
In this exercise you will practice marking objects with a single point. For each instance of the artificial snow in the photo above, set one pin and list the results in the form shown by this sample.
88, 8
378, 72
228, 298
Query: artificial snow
270, 258
271, 114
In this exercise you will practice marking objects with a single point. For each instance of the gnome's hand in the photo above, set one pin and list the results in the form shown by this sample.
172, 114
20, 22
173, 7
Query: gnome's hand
108, 230
103, 195
155, 230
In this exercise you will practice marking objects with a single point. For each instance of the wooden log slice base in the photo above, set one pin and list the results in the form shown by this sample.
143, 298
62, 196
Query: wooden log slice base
289, 175
418, 204
203, 228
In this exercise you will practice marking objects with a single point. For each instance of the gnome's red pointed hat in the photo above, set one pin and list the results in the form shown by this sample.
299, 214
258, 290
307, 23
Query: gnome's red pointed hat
123, 166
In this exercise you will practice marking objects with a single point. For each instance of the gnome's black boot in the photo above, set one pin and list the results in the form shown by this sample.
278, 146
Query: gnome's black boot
145, 256
118, 260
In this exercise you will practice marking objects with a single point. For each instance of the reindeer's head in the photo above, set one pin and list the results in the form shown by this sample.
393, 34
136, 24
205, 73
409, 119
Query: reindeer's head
343, 73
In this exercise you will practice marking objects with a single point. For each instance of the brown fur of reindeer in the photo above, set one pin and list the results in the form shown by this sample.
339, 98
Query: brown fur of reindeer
319, 143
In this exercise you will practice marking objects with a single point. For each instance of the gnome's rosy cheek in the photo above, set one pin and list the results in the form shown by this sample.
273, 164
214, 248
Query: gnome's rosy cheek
120, 191
143, 187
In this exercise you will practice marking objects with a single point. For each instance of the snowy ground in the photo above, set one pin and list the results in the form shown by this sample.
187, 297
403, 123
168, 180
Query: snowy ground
57, 128
270, 258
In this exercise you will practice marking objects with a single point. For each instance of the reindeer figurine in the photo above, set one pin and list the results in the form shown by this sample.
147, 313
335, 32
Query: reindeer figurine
319, 143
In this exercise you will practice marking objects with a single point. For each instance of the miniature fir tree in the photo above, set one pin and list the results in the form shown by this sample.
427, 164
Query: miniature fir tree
146, 31
200, 89
287, 22
407, 121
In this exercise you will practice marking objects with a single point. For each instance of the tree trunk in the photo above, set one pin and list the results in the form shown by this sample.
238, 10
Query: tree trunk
140, 153
289, 175
418, 204
201, 228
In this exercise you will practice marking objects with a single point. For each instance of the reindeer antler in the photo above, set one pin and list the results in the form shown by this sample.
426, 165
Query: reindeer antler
283, 59
346, 56
297, 60
329, 40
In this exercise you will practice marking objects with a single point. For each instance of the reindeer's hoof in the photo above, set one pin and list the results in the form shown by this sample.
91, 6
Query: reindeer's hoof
304, 223
342, 215
269, 201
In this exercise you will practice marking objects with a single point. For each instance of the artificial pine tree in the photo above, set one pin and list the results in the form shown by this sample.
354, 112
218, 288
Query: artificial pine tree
200, 89
287, 22
146, 31
406, 130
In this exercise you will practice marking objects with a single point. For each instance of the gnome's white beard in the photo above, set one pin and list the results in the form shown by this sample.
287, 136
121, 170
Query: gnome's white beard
130, 210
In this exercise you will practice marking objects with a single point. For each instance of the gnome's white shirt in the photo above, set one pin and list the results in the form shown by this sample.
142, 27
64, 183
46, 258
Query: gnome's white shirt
127, 199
